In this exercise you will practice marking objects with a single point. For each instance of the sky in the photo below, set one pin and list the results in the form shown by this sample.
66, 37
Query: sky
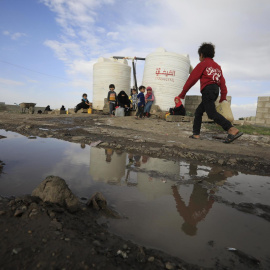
48, 47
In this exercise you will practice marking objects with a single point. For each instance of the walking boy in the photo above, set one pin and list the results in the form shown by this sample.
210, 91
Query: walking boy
85, 104
141, 102
112, 98
211, 79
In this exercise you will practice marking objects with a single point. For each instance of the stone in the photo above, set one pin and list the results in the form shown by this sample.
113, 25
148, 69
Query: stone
151, 259
221, 161
96, 243
16, 250
55, 190
169, 266
97, 201
57, 225
18, 213
2, 213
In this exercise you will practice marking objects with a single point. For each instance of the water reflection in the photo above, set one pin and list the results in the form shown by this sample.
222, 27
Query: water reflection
168, 203
200, 202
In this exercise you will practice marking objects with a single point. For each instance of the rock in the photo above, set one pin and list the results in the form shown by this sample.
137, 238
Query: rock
169, 266
96, 243
55, 190
220, 161
122, 254
18, 213
77, 138
54, 223
151, 259
97, 201
16, 250
34, 212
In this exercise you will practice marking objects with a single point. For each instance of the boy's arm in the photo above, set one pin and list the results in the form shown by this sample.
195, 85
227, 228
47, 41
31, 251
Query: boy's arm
223, 89
108, 96
194, 76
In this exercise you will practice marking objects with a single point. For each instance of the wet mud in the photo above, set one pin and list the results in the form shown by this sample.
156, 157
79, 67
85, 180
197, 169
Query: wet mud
181, 199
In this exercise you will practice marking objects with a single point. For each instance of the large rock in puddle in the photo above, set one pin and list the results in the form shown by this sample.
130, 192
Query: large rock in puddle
55, 190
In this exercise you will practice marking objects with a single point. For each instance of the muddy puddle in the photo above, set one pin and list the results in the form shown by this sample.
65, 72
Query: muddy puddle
191, 211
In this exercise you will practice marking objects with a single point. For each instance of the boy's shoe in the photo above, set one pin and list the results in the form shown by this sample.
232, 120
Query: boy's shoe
75, 110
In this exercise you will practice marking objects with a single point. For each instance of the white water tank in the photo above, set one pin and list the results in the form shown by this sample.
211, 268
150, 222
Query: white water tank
109, 71
166, 73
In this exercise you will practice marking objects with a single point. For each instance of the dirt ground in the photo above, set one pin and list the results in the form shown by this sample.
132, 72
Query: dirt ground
38, 235
153, 137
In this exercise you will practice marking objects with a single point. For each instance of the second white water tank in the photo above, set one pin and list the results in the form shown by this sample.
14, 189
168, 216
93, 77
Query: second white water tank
109, 71
166, 73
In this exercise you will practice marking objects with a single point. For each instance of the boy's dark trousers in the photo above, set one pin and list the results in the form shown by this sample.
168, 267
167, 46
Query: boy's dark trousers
82, 105
209, 96
140, 111
112, 107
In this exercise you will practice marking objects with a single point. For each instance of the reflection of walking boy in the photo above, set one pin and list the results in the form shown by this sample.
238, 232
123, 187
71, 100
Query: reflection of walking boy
112, 98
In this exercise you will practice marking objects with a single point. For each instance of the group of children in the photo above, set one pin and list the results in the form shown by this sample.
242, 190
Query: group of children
136, 102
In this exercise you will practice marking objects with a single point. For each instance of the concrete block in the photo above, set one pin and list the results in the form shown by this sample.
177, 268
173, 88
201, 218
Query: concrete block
238, 122
267, 121
155, 109
267, 104
259, 115
260, 121
263, 99
262, 110
260, 105
266, 116
178, 118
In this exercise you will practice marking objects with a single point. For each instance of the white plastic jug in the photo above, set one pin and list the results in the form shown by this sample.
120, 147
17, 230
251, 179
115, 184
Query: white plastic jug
225, 110
119, 112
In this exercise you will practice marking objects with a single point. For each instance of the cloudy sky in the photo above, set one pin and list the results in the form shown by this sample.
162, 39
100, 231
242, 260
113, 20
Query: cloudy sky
48, 47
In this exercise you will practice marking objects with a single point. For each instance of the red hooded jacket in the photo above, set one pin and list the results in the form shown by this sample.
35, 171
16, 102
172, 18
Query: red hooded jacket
209, 72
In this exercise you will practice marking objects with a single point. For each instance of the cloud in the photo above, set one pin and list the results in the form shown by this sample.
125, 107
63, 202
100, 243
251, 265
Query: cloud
113, 35
244, 110
14, 36
92, 28
10, 82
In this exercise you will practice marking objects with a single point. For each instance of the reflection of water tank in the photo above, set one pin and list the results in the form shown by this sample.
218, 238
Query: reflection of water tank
109, 71
166, 73
156, 188
109, 172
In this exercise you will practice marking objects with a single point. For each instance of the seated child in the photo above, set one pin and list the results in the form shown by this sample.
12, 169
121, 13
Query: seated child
85, 104
179, 108
133, 99
48, 109
149, 99
123, 101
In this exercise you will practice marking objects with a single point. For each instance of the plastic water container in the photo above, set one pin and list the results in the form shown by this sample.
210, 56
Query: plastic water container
166, 72
109, 71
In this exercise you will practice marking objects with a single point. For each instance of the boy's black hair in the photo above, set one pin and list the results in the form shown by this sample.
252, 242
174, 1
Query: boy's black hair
207, 50
141, 87
111, 86
84, 94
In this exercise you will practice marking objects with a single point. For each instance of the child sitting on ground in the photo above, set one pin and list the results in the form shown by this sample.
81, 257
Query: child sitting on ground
141, 102
112, 99
133, 99
179, 108
85, 104
149, 99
